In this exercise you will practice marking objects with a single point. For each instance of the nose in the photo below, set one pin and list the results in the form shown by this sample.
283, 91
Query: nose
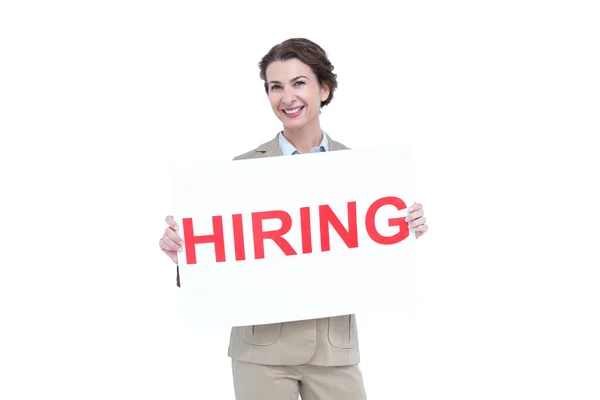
288, 96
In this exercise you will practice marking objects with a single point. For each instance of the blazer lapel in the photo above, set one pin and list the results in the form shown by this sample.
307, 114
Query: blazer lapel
269, 149
333, 145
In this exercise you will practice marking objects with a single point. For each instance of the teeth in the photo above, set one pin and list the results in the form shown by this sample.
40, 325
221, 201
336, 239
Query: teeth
295, 110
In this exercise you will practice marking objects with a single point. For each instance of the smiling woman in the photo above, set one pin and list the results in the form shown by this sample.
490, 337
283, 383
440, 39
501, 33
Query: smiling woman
299, 81
318, 358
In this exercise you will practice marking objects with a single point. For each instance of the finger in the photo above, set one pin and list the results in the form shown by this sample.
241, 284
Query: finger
171, 222
161, 244
422, 228
418, 222
170, 245
414, 215
170, 233
164, 246
416, 206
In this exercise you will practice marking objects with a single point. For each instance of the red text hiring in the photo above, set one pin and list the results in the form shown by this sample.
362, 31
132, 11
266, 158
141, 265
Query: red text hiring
327, 219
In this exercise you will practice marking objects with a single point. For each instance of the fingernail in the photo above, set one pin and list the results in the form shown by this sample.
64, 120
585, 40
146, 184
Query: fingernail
176, 227
179, 249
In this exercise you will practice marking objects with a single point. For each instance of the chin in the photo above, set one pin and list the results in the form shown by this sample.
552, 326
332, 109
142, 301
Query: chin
294, 125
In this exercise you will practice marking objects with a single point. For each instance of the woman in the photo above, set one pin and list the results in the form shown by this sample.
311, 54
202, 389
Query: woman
317, 359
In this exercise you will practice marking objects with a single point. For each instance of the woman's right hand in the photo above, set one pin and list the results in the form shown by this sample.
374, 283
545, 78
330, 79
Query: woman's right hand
170, 243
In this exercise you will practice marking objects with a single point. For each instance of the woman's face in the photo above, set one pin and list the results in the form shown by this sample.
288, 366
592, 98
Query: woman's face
295, 93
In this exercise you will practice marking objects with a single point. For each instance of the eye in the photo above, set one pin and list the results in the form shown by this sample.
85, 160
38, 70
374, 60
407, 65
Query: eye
275, 87
298, 83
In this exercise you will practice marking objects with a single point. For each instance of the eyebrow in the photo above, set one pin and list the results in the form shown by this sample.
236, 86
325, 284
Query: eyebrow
295, 79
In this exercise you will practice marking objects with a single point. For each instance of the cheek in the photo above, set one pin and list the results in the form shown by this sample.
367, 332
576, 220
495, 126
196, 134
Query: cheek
319, 97
274, 101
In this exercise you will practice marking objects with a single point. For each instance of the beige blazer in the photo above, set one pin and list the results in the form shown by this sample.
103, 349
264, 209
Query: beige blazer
329, 341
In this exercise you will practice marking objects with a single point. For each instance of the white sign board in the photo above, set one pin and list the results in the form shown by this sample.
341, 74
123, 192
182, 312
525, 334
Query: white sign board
294, 237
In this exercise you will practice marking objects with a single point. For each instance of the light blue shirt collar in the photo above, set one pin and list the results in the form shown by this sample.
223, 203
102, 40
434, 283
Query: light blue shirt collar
288, 149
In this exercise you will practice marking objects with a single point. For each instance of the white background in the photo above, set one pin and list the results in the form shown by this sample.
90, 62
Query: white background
501, 100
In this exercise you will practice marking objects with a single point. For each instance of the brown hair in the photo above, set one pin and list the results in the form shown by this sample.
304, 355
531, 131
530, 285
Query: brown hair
310, 54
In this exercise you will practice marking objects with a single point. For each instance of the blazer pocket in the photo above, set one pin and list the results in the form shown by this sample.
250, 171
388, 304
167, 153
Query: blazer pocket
260, 335
342, 332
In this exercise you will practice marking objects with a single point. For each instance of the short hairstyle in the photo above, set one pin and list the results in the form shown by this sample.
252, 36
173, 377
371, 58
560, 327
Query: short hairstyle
310, 54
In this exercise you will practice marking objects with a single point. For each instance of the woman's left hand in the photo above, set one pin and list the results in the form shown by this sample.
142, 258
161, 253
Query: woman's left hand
416, 219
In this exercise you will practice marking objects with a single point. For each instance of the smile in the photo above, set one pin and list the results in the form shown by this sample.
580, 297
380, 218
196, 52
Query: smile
293, 112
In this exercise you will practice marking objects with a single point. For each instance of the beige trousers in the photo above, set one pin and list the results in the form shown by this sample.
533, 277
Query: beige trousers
312, 382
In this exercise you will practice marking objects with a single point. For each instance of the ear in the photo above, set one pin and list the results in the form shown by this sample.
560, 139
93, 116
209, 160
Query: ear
324, 91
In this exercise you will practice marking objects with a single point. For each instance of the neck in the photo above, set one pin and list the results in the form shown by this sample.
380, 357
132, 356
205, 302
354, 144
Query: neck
304, 138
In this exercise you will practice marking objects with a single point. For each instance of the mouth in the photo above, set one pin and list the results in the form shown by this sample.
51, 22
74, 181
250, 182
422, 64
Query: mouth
293, 112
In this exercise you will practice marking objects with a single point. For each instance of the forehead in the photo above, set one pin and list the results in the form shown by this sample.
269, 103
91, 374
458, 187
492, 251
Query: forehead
284, 71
